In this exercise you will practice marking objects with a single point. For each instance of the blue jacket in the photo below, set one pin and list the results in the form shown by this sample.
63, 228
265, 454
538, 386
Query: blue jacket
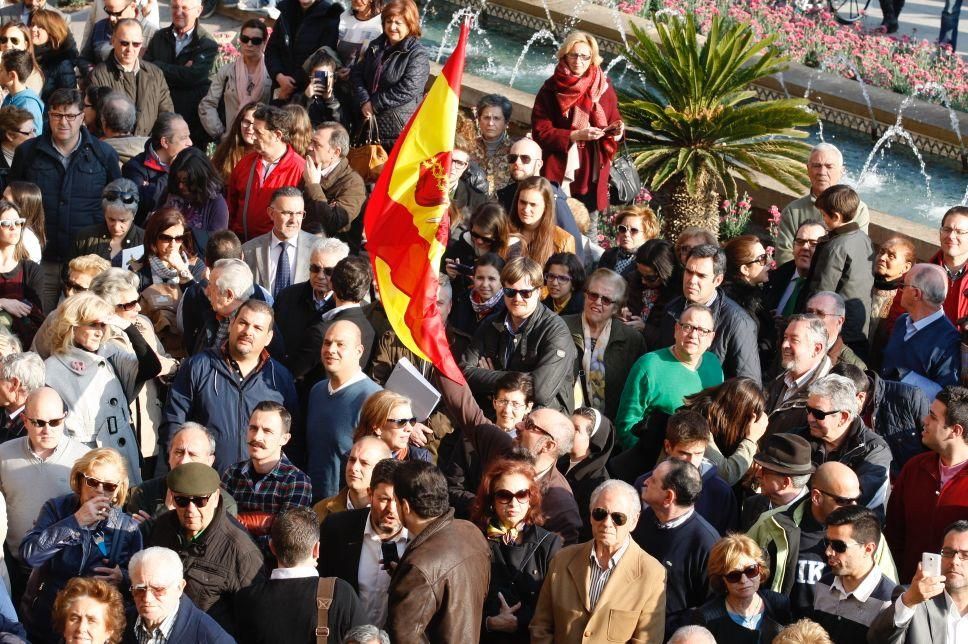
71, 195
207, 391
191, 625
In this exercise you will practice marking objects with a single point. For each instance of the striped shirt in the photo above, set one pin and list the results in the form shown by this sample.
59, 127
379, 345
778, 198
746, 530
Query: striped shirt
599, 575
157, 635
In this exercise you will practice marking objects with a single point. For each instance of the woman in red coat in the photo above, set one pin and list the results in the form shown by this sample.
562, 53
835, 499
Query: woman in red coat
576, 122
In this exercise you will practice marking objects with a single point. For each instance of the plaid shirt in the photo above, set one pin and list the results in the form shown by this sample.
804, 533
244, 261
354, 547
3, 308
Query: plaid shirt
284, 487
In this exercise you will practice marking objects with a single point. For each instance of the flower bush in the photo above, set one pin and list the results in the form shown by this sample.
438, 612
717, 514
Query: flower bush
905, 65
734, 218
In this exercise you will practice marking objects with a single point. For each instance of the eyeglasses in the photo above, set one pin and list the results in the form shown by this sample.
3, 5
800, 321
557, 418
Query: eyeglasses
525, 158
16, 42
820, 314
513, 404
12, 224
127, 306
27, 133
199, 501
761, 260
123, 197
401, 422
525, 293
618, 518
820, 414
325, 270
506, 496
168, 239
948, 230
949, 553
750, 572
839, 500
629, 230
799, 241
157, 591
482, 238
592, 296
289, 213
116, 14
130, 43
255, 41
459, 163
530, 426
689, 328
95, 484
74, 286
838, 546
554, 277
60, 116
40, 423
903, 286
582, 57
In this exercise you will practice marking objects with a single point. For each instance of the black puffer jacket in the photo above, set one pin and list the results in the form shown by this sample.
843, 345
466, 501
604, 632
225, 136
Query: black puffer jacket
220, 562
57, 66
297, 34
396, 91
543, 348
896, 412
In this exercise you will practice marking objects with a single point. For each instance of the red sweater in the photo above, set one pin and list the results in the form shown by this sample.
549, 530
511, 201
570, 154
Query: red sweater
956, 303
287, 173
918, 512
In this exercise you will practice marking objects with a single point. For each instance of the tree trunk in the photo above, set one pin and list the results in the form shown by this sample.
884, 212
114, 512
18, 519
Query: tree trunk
681, 210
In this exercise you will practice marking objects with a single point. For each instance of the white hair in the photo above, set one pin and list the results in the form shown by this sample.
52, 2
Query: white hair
832, 149
840, 305
840, 391
27, 368
692, 635
330, 246
932, 281
163, 558
633, 502
109, 284
236, 276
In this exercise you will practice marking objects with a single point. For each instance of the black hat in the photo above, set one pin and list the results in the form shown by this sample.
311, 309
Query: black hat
194, 479
785, 454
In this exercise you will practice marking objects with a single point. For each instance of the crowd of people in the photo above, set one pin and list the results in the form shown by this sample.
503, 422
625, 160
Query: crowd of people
665, 440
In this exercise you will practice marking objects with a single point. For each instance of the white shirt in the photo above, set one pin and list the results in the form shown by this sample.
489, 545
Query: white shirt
296, 572
330, 314
792, 385
913, 327
182, 40
956, 626
354, 379
374, 581
274, 244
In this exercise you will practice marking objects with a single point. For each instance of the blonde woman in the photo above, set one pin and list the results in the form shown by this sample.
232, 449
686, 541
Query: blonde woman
84, 533
98, 379
389, 417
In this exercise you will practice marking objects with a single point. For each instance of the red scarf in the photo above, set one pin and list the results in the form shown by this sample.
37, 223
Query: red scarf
583, 93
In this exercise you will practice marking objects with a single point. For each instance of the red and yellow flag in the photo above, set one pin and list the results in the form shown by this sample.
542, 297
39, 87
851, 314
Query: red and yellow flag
406, 224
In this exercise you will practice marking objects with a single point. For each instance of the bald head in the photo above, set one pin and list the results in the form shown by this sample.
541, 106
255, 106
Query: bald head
346, 330
833, 485
342, 350
43, 409
363, 457
528, 161
558, 425
373, 447
44, 403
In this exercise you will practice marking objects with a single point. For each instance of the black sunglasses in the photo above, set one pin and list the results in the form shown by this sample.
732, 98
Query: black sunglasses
94, 484
525, 158
400, 422
326, 270
127, 306
839, 500
40, 423
525, 293
592, 296
199, 501
820, 414
480, 237
162, 237
505, 496
13, 41
750, 572
761, 260
123, 197
618, 518
838, 546
256, 40
73, 286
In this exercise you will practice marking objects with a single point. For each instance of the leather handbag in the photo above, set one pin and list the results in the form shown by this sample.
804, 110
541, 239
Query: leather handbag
369, 157
624, 183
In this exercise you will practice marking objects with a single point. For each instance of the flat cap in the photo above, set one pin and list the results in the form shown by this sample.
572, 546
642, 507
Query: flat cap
195, 479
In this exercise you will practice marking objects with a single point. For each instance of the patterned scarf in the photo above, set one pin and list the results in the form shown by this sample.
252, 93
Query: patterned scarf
593, 363
507, 534
249, 91
481, 308
162, 272
584, 93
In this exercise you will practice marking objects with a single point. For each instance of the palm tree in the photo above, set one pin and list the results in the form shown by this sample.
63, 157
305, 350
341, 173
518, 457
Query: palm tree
695, 127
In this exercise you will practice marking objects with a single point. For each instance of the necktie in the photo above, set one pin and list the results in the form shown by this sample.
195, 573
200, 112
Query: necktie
791, 304
283, 277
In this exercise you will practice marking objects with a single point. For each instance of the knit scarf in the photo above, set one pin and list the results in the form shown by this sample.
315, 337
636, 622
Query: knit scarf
883, 284
242, 81
583, 93
162, 271
507, 534
484, 307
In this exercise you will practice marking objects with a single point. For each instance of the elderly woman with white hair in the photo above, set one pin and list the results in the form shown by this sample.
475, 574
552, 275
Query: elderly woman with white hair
98, 379
119, 288
118, 232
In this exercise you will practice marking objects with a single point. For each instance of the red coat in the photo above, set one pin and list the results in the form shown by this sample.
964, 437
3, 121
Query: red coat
551, 129
918, 513
288, 173
956, 303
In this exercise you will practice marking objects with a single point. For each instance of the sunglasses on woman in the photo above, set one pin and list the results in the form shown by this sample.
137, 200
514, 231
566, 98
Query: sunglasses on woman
183, 501
253, 40
168, 239
16, 42
95, 484
506, 496
127, 306
12, 224
750, 572
618, 518
123, 197
761, 260
481, 238
400, 422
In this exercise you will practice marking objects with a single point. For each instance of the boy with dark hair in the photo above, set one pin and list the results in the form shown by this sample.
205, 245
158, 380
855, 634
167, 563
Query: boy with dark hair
15, 67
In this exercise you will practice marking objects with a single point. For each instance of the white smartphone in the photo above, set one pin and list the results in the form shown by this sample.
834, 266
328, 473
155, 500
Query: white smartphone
930, 564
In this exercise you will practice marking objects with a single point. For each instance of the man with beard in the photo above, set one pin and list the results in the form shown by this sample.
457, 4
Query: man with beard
267, 483
803, 356
357, 543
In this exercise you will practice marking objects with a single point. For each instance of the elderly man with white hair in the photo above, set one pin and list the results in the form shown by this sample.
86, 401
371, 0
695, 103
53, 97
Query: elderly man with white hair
20, 374
230, 283
836, 432
925, 347
825, 168
692, 635
606, 587
165, 613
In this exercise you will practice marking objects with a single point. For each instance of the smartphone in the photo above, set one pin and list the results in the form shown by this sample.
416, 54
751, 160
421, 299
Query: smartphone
930, 564
321, 77
611, 129
389, 554
464, 269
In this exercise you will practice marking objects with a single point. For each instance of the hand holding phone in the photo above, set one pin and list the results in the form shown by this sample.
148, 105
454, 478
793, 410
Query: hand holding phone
931, 564
390, 555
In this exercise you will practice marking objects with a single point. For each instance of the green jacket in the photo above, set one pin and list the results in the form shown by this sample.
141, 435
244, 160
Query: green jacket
778, 533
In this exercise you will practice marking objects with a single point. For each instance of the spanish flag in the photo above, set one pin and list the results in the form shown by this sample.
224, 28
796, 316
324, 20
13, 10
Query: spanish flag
406, 220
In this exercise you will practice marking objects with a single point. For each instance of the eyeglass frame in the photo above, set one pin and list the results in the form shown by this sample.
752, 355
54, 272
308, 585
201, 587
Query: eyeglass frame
841, 501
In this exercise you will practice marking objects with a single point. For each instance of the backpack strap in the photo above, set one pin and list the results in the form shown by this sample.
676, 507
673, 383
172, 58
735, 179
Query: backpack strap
324, 600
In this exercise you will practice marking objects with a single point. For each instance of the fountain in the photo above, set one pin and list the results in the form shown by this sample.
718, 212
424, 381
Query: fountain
535, 37
849, 64
457, 18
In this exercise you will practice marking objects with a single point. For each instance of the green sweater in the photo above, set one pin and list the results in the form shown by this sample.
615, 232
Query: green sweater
659, 382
